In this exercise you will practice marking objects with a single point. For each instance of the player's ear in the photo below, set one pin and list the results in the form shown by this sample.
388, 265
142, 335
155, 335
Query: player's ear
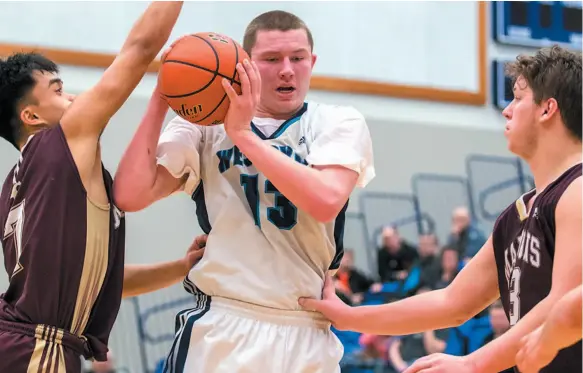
549, 108
314, 58
29, 117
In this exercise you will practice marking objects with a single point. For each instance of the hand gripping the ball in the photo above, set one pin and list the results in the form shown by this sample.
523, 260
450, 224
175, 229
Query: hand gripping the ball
242, 107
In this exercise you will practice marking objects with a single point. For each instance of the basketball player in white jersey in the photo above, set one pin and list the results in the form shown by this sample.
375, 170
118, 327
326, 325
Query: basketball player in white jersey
273, 183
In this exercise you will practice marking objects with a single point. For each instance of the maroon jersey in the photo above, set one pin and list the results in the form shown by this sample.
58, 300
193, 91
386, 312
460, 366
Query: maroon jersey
524, 247
63, 253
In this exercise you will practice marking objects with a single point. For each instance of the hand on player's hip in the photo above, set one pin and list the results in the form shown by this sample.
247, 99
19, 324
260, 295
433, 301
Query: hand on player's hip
332, 307
242, 107
195, 252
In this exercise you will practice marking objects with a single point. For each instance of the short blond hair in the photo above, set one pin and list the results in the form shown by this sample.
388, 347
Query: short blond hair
274, 20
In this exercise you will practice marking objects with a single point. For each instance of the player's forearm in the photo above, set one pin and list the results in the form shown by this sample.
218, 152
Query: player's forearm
304, 186
151, 31
562, 328
136, 172
501, 353
145, 278
427, 311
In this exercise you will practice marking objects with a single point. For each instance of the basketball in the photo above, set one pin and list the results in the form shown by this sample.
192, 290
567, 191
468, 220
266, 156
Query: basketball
191, 73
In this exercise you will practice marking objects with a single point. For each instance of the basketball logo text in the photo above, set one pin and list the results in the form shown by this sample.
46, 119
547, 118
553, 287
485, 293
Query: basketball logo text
220, 38
189, 112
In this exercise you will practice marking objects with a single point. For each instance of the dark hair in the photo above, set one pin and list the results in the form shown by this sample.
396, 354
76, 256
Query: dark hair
16, 83
553, 73
273, 20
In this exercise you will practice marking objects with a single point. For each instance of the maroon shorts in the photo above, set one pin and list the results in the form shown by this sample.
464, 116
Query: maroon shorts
27, 348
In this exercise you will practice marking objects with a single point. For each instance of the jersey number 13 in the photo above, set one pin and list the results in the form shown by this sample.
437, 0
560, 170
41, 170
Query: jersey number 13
283, 214
514, 290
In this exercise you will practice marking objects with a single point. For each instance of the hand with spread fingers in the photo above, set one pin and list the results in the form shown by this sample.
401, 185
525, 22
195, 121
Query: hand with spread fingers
242, 107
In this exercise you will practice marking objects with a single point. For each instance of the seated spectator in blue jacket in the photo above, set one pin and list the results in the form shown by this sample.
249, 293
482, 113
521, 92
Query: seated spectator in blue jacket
465, 236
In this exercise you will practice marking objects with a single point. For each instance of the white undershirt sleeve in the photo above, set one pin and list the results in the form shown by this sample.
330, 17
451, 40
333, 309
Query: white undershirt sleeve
179, 152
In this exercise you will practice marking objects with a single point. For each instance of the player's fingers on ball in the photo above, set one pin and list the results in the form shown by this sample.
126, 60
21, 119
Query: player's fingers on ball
231, 93
244, 78
253, 78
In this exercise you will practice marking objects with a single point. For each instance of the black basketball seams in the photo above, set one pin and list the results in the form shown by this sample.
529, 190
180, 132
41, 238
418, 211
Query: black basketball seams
215, 73
215, 109
232, 80
236, 62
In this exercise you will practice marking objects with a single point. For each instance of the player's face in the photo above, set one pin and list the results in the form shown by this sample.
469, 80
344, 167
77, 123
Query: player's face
50, 101
521, 126
285, 62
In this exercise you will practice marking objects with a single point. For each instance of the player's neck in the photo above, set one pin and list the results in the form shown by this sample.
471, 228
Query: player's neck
550, 162
263, 112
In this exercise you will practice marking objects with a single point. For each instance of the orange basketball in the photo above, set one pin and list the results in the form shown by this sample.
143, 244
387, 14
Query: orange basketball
191, 73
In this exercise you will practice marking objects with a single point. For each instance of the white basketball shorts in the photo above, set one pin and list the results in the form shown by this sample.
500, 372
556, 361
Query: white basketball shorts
221, 335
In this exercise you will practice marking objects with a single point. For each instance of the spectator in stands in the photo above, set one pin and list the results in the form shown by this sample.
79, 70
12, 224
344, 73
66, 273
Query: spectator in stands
350, 281
465, 236
404, 350
374, 347
477, 331
395, 257
428, 261
498, 321
449, 267
500, 325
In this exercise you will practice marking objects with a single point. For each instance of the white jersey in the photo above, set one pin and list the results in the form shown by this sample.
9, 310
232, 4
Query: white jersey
262, 249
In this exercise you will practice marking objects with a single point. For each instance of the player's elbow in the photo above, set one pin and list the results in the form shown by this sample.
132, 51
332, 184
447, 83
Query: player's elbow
129, 203
456, 311
327, 207
128, 199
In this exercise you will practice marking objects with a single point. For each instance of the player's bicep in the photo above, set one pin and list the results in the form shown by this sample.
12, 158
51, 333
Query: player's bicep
476, 286
166, 184
340, 179
91, 111
568, 247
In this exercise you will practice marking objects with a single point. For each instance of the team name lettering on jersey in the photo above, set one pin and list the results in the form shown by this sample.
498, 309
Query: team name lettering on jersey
526, 248
234, 157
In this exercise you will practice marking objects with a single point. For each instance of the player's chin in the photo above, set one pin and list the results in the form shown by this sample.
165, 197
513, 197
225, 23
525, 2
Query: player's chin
288, 104
514, 147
